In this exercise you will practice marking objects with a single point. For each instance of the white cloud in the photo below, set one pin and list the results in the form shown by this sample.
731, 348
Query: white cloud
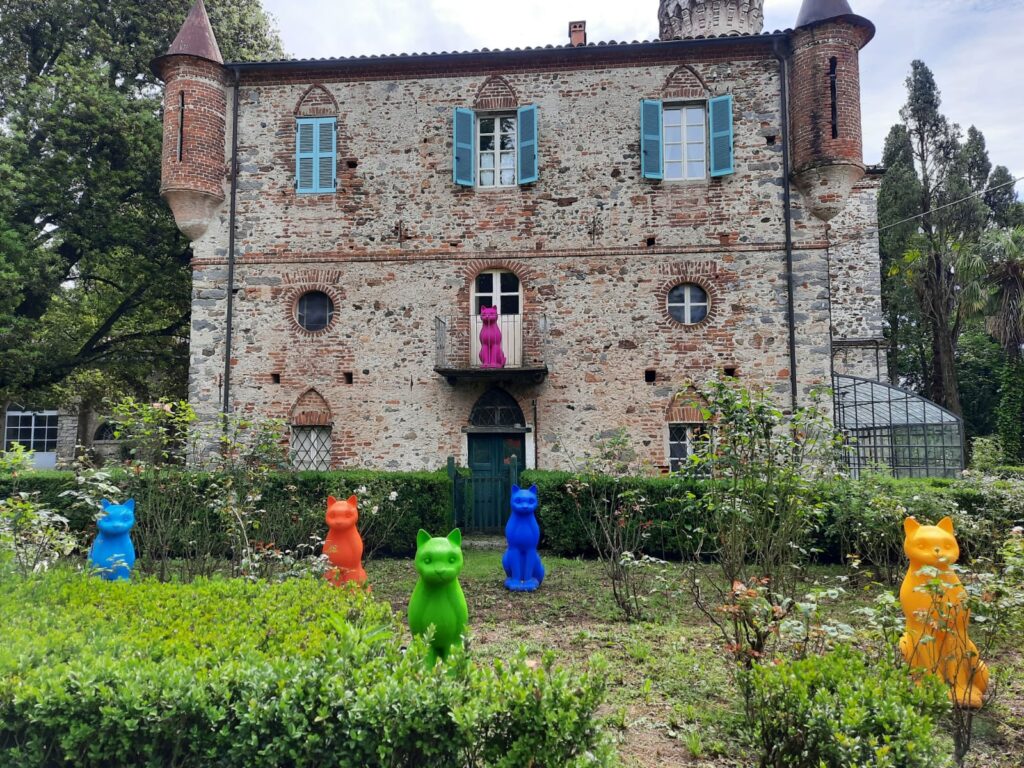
972, 46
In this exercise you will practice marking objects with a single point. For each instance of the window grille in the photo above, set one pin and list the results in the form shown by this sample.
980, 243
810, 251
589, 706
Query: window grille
33, 431
497, 408
311, 448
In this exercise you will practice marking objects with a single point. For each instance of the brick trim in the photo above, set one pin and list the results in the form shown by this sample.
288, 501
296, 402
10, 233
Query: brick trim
684, 82
435, 254
298, 284
707, 275
316, 101
496, 93
683, 414
311, 410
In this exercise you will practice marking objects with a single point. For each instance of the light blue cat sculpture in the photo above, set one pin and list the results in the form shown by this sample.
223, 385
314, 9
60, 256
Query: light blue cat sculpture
113, 553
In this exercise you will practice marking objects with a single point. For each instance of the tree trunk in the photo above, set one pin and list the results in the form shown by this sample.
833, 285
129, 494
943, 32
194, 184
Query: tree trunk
945, 382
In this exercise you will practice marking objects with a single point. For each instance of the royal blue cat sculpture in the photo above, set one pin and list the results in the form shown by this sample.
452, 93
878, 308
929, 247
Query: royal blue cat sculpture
113, 553
521, 562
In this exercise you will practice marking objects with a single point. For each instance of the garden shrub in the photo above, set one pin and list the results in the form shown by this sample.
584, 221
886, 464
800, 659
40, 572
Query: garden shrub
236, 673
179, 515
840, 710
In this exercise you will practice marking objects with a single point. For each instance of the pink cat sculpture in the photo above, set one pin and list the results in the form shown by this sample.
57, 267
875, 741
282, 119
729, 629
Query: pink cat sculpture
491, 355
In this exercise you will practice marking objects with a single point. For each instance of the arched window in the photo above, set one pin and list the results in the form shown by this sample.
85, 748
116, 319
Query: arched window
503, 290
497, 408
105, 431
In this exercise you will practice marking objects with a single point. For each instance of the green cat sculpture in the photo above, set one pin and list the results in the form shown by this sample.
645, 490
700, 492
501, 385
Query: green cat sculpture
437, 600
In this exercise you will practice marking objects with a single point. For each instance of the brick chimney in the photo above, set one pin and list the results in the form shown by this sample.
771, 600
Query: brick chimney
577, 33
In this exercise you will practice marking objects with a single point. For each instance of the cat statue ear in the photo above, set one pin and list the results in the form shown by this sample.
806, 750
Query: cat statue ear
910, 526
130, 504
455, 537
105, 503
515, 489
422, 538
946, 524
330, 500
533, 489
353, 500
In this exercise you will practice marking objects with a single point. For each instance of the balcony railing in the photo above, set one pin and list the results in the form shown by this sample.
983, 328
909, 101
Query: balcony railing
457, 354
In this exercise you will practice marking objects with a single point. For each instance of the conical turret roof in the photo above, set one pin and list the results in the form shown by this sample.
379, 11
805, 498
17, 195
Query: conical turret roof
814, 12
195, 38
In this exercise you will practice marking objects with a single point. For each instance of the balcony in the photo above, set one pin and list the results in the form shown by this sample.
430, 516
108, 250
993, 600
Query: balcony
458, 349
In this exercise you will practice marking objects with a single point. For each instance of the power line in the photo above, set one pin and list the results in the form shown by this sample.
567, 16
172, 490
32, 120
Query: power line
879, 230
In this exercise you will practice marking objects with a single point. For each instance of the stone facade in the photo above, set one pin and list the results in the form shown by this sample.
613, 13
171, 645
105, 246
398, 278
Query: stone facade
596, 248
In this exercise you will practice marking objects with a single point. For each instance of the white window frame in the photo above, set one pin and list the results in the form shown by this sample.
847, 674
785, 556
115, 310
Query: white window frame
37, 446
685, 111
691, 433
496, 152
496, 294
688, 304
511, 323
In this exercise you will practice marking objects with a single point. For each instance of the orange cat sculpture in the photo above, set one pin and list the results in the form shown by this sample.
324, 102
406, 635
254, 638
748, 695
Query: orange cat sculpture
344, 546
937, 619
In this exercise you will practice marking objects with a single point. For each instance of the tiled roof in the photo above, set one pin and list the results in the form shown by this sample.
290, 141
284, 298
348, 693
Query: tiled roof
526, 49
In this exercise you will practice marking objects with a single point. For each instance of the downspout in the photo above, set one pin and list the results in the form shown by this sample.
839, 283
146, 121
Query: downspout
231, 246
787, 213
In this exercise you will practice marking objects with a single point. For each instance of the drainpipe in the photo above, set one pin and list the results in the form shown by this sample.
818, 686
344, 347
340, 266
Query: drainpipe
787, 206
231, 246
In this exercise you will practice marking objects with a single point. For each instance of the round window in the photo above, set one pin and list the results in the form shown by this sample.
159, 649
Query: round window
314, 311
688, 303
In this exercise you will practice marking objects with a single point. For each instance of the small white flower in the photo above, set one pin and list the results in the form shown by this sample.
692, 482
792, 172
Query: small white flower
393, 495
361, 489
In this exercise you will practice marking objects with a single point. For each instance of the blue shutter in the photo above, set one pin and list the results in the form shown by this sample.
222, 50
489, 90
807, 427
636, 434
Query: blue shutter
651, 139
326, 158
463, 155
529, 166
316, 154
720, 128
305, 155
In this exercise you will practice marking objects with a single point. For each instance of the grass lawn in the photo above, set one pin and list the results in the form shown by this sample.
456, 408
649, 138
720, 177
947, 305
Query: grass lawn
671, 700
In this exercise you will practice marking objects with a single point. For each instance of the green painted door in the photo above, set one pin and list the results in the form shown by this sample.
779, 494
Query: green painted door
490, 457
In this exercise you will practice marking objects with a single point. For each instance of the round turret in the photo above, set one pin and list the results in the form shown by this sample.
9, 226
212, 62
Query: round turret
195, 117
707, 18
824, 104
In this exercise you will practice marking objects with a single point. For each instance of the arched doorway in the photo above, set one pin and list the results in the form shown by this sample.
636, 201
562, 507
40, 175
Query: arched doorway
497, 452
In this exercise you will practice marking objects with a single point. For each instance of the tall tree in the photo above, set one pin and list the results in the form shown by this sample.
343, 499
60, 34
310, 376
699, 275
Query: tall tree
95, 273
1003, 251
899, 201
949, 173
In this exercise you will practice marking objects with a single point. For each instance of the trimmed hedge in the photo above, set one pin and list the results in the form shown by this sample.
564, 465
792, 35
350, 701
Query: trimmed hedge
232, 673
176, 518
175, 511
984, 510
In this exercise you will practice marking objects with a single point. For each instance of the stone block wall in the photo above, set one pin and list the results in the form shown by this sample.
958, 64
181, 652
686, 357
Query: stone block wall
596, 247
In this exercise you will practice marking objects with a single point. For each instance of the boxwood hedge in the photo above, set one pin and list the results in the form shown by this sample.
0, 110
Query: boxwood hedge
235, 673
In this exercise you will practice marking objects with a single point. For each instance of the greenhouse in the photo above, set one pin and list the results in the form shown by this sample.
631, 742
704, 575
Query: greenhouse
896, 432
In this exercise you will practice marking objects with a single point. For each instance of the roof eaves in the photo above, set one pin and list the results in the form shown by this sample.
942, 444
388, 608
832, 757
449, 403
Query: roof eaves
572, 50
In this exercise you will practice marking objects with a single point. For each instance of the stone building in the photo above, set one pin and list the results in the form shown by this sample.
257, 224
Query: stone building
640, 214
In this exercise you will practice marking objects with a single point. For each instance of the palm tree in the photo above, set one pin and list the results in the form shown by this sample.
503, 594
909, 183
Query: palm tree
1003, 253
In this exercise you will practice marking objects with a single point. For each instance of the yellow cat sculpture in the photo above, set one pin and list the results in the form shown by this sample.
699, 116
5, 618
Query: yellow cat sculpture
937, 616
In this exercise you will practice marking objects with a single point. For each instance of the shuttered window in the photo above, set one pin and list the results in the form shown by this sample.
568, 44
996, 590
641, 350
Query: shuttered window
677, 143
495, 150
316, 154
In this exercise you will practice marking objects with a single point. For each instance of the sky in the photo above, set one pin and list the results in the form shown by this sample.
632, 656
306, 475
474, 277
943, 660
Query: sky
974, 47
